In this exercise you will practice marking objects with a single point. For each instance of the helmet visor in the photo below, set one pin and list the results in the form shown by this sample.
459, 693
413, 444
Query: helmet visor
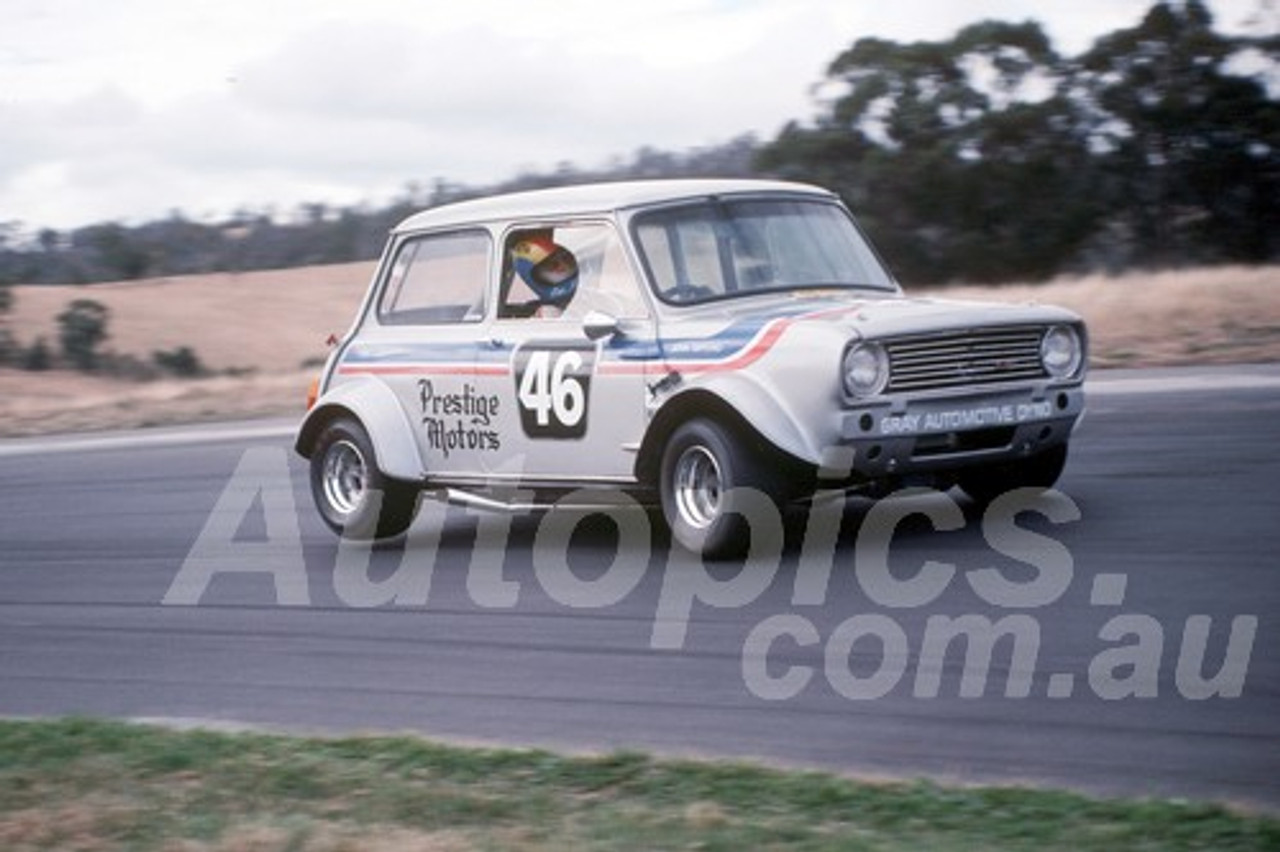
554, 269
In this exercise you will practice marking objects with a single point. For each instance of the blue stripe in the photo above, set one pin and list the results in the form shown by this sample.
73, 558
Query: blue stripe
426, 353
731, 339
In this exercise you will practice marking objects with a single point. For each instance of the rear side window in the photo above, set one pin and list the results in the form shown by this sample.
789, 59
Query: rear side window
438, 278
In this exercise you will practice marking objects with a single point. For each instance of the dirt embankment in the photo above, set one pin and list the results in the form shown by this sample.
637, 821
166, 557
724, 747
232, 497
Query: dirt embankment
270, 329
1220, 315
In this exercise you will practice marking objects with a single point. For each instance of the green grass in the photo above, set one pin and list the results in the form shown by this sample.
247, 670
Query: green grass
79, 784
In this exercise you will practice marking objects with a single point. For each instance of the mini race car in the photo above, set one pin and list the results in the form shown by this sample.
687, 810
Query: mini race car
689, 343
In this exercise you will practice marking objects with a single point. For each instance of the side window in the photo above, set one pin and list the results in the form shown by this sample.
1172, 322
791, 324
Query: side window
568, 271
438, 278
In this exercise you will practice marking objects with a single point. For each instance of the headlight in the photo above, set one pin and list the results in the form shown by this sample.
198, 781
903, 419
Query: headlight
866, 369
1061, 352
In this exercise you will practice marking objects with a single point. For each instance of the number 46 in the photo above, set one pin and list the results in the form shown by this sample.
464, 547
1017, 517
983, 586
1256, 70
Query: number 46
546, 389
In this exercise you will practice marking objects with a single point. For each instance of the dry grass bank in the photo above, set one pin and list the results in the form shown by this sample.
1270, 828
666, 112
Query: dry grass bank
273, 325
270, 321
1219, 315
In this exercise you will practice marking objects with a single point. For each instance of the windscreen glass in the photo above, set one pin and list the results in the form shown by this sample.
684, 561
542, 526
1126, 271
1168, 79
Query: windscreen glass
722, 249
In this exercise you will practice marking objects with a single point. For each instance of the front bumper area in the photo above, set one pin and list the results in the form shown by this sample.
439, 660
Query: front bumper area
931, 434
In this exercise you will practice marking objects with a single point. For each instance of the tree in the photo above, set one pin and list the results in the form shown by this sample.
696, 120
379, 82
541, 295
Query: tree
81, 328
8, 344
116, 251
37, 357
957, 154
48, 239
1191, 150
988, 156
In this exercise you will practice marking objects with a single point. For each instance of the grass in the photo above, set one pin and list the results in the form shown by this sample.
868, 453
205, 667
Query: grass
79, 784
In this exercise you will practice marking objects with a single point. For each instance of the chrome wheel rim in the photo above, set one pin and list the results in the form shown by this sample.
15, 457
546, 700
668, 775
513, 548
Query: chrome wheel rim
698, 487
345, 477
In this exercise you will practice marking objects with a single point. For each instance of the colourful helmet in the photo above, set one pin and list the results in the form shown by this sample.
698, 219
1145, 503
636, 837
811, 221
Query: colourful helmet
550, 270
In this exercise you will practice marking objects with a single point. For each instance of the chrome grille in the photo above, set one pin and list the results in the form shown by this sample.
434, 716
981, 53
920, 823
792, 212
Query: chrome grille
964, 358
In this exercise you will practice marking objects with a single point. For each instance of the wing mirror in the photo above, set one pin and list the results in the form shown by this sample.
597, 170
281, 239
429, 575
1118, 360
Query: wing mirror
597, 325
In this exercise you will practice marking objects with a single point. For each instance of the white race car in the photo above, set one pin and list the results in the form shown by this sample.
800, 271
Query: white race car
694, 343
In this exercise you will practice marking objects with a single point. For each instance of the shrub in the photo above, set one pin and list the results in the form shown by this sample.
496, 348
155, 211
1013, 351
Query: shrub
9, 349
82, 326
37, 357
182, 362
124, 366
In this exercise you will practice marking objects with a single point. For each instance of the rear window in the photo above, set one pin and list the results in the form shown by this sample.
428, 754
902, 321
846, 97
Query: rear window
438, 278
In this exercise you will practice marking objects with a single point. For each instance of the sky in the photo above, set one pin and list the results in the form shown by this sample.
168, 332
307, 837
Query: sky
130, 109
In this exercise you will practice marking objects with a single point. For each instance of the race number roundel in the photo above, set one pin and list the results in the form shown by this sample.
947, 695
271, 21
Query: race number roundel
553, 389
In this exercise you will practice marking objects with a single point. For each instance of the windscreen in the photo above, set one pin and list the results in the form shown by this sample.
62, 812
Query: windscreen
724, 248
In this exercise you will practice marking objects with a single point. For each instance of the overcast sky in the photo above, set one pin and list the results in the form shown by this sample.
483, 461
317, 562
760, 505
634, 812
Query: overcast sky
127, 109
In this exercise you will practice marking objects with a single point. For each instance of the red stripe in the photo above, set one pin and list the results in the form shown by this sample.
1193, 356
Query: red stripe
744, 357
754, 351
421, 369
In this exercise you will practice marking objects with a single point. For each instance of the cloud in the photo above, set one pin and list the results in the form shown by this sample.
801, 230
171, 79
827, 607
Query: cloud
537, 95
130, 109
355, 108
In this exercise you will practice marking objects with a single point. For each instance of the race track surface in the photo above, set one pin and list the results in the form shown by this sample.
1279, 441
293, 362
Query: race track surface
1167, 539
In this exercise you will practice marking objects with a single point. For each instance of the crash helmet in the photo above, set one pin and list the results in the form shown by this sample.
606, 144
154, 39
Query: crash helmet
550, 270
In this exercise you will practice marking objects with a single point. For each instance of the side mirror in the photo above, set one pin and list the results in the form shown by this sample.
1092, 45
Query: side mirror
597, 325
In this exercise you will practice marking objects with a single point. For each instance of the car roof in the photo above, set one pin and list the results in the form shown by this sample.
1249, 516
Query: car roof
593, 198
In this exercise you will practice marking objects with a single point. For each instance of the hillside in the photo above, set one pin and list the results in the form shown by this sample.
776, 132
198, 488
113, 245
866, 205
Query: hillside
270, 327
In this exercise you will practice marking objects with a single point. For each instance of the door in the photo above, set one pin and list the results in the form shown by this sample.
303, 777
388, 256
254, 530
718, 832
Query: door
422, 343
571, 409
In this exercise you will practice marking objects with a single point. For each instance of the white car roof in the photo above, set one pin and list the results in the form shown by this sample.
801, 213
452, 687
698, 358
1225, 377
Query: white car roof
592, 198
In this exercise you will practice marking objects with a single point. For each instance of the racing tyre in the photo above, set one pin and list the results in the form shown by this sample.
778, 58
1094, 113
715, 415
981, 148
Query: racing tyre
705, 472
985, 484
345, 482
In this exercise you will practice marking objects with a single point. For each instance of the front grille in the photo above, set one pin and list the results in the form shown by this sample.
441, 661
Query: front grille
964, 358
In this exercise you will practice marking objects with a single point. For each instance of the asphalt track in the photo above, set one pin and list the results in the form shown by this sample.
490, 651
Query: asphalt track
1175, 474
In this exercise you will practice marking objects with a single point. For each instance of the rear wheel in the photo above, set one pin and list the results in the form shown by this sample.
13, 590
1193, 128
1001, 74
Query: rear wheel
712, 486
985, 484
354, 497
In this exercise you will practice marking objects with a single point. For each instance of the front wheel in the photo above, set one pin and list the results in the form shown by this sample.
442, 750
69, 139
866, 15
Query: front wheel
985, 484
354, 497
712, 488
